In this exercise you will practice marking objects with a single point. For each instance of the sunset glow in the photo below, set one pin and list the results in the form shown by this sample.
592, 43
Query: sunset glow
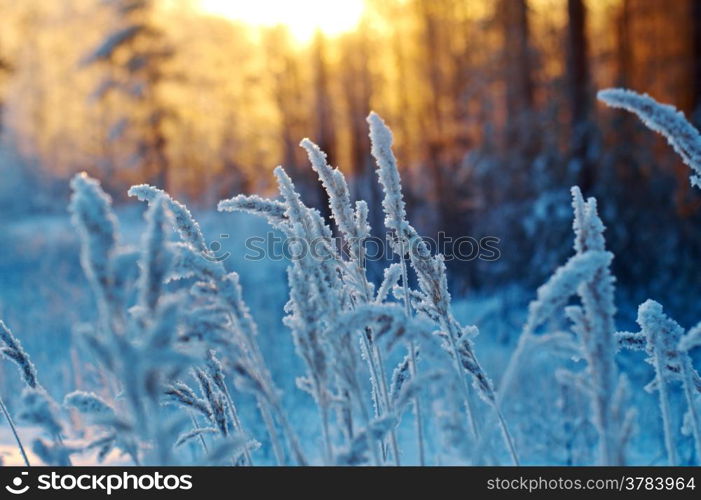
302, 17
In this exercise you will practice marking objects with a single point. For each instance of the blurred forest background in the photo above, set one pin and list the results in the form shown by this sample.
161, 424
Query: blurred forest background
492, 103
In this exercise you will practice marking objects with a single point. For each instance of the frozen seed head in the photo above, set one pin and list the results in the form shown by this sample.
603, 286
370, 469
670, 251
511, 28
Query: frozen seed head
12, 349
663, 119
91, 210
185, 223
88, 403
388, 172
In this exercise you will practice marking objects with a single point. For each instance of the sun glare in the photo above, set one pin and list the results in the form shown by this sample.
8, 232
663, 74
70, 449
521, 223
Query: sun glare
302, 17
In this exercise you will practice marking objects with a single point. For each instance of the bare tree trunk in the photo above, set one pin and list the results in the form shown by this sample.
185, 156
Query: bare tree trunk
624, 73
579, 93
3, 69
357, 90
513, 15
434, 126
324, 129
293, 109
624, 54
696, 61
160, 163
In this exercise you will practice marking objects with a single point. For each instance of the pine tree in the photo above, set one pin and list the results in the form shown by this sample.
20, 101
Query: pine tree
135, 54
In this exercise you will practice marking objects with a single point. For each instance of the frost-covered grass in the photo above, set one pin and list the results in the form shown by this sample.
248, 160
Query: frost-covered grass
180, 363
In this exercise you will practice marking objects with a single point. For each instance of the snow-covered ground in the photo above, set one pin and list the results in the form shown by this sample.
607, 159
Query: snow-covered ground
44, 295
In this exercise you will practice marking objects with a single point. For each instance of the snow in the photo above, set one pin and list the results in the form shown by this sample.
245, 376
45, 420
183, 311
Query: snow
301, 362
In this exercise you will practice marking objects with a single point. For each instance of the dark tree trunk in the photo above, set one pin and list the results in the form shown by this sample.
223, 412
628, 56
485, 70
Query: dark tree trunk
295, 119
324, 130
5, 70
624, 123
579, 93
624, 53
517, 52
696, 64
434, 126
160, 162
156, 158
521, 127
4, 67
357, 90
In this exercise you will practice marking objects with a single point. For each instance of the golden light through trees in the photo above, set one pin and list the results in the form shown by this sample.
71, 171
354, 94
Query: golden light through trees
491, 103
301, 17
244, 80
